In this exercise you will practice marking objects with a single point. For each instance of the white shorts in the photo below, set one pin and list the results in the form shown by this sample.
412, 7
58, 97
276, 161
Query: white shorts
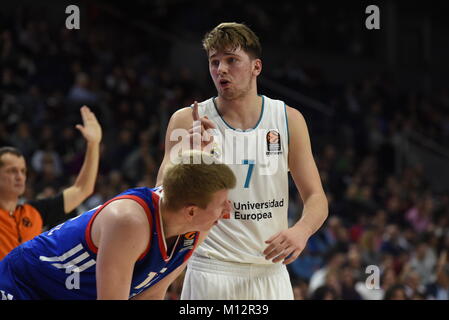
209, 279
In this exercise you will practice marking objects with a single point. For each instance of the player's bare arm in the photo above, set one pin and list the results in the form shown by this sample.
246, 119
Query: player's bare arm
121, 233
288, 244
180, 119
85, 182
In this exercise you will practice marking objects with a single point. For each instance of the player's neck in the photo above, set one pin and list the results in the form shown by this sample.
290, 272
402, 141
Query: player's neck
242, 113
170, 233
168, 220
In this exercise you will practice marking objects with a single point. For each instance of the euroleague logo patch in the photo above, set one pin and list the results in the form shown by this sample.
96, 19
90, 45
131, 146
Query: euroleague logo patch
190, 235
189, 241
273, 139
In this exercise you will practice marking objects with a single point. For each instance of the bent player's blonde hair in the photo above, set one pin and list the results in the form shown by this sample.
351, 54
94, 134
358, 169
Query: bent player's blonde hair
192, 179
231, 36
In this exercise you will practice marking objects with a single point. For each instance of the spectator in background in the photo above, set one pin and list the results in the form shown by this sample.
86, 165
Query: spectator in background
306, 264
123, 147
412, 284
423, 261
335, 259
140, 157
325, 293
396, 292
370, 246
354, 260
348, 281
332, 281
47, 164
420, 215
80, 92
22, 222
23, 140
300, 288
393, 242
439, 289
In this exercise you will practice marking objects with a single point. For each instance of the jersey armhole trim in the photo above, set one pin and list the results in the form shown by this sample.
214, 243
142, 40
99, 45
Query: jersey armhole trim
140, 201
286, 122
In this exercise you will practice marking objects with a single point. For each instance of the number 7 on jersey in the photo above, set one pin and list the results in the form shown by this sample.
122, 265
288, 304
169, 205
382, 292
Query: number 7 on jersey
250, 164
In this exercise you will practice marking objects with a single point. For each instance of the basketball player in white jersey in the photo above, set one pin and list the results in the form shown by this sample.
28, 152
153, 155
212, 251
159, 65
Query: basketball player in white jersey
261, 139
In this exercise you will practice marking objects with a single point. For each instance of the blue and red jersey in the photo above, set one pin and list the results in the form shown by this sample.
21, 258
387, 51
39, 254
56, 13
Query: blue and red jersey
46, 266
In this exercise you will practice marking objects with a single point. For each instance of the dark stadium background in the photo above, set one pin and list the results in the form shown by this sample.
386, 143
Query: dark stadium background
376, 103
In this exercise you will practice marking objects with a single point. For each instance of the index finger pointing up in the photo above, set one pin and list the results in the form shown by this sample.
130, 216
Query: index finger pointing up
195, 114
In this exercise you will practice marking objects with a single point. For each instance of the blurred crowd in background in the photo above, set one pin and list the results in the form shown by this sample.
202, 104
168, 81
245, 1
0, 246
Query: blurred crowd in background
380, 214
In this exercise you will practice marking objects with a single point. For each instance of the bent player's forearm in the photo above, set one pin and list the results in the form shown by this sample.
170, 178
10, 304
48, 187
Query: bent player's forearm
159, 175
314, 214
85, 182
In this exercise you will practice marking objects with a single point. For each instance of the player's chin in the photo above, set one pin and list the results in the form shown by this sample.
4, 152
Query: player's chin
226, 93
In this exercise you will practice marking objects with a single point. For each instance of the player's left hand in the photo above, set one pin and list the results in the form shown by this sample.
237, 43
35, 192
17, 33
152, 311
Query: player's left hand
91, 129
286, 245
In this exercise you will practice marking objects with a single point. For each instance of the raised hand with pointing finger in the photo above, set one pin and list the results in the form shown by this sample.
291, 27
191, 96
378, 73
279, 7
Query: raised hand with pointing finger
199, 134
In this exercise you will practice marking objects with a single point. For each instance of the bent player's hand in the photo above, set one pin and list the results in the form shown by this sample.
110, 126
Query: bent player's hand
91, 129
286, 245
200, 134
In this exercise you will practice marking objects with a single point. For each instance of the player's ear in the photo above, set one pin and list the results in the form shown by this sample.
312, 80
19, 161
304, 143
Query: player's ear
257, 67
190, 211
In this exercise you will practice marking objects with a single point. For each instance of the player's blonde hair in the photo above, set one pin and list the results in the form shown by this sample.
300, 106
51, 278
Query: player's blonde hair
231, 36
193, 178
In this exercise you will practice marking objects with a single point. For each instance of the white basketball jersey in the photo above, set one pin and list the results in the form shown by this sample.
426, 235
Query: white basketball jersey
259, 160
